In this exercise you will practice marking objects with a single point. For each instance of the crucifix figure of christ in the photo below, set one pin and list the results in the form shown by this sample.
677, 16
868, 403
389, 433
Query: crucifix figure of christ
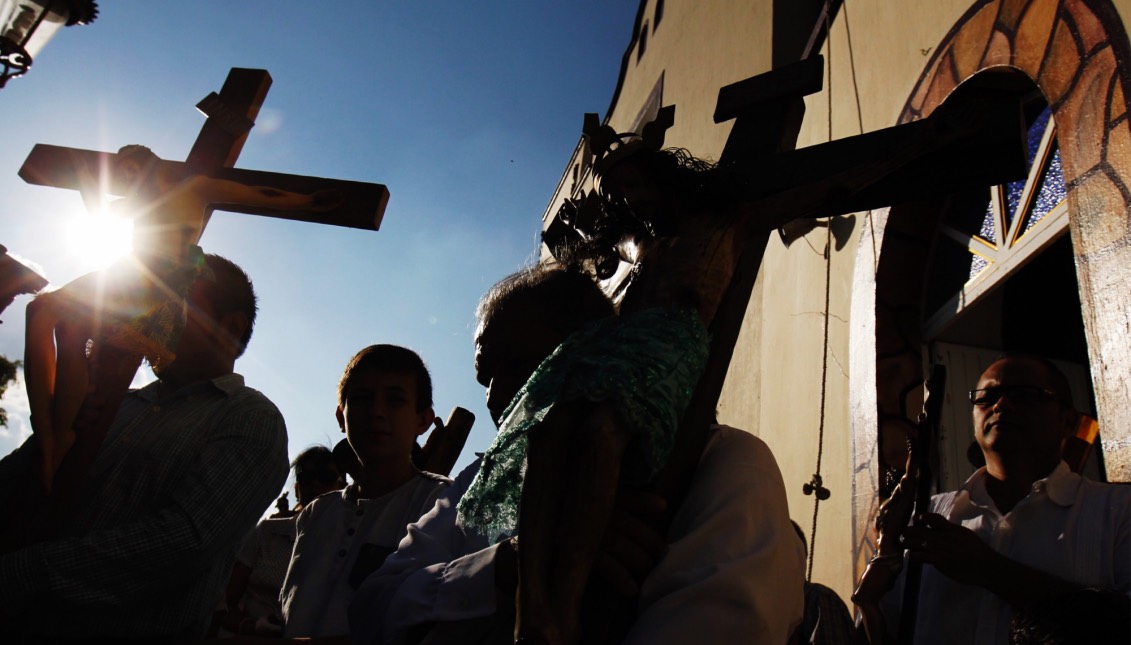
695, 234
86, 340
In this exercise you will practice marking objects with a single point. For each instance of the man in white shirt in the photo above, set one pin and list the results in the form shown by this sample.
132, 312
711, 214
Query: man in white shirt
1022, 529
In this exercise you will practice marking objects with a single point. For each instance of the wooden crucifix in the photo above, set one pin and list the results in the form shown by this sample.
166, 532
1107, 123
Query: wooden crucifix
978, 140
166, 191
231, 115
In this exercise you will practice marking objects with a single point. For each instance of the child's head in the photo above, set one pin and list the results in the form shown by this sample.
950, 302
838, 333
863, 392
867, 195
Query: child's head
384, 403
316, 473
389, 358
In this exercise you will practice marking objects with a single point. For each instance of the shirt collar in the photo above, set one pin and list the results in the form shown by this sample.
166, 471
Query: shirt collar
350, 493
1060, 485
229, 384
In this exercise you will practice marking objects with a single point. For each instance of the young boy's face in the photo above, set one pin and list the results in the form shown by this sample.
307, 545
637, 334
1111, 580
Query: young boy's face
380, 418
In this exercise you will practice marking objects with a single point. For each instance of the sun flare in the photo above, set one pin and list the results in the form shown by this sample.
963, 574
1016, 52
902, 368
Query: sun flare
99, 238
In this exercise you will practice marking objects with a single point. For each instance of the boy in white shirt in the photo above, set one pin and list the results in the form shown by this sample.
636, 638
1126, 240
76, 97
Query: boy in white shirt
384, 404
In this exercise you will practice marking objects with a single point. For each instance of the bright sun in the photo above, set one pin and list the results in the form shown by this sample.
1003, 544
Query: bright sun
97, 239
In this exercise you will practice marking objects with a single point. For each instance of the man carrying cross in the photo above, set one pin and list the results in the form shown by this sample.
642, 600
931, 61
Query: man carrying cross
730, 542
137, 306
187, 467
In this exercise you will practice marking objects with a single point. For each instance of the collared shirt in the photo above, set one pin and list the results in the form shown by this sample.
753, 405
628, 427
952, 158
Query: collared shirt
733, 571
341, 539
1068, 526
180, 479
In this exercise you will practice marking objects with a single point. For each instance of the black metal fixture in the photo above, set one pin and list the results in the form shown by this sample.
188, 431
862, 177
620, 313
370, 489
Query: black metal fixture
27, 25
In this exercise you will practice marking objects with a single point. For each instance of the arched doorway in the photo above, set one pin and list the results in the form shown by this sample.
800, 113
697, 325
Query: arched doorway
919, 298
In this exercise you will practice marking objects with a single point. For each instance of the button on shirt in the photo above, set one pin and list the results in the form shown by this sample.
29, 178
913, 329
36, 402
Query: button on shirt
340, 540
1070, 527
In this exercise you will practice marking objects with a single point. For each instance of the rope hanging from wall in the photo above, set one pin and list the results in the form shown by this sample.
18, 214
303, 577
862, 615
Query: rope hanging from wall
815, 486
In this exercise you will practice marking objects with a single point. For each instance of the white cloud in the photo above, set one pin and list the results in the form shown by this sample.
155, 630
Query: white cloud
269, 121
15, 403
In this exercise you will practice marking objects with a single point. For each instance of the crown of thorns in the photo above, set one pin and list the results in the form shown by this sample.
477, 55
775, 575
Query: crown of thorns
607, 147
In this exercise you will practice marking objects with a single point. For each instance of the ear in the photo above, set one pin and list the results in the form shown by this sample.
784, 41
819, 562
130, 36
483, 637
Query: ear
427, 418
234, 325
341, 417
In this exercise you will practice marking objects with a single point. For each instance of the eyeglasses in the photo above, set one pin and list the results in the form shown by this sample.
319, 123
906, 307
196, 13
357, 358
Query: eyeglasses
1021, 394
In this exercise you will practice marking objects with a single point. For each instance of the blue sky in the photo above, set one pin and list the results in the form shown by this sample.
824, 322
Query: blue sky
467, 111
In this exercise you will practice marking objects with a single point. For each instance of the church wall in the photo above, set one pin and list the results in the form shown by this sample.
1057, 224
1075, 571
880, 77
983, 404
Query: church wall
774, 385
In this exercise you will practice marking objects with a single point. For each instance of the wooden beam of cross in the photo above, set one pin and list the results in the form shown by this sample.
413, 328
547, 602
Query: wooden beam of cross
230, 115
980, 146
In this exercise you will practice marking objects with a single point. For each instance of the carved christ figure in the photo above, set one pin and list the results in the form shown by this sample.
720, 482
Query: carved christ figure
137, 305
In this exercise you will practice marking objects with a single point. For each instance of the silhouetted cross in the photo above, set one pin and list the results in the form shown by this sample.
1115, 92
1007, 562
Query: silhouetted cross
231, 114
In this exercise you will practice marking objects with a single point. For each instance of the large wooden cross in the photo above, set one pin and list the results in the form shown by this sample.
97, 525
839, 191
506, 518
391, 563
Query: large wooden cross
979, 144
230, 116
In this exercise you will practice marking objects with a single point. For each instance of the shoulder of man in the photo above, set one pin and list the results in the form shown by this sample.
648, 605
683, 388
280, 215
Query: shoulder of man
234, 386
323, 503
724, 437
1116, 494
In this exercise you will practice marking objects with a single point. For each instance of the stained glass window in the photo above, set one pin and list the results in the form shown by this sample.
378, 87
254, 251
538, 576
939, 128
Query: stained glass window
1033, 197
985, 237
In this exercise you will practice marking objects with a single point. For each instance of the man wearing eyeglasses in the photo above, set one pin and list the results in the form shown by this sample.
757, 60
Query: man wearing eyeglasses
1022, 529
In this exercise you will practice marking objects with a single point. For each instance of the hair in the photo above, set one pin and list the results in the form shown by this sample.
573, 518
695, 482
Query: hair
688, 185
568, 299
389, 358
692, 180
230, 291
139, 153
146, 162
315, 465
